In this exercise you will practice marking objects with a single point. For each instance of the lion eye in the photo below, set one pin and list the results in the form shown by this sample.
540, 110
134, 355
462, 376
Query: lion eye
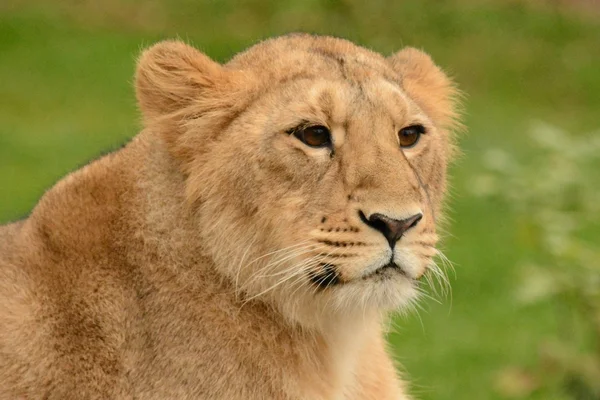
410, 135
314, 136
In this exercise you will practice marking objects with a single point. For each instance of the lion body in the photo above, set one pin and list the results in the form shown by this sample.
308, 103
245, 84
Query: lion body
123, 283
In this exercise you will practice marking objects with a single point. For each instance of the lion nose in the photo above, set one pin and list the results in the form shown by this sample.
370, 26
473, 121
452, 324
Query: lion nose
391, 228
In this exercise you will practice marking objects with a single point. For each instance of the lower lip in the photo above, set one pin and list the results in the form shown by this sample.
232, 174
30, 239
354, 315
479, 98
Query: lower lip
381, 270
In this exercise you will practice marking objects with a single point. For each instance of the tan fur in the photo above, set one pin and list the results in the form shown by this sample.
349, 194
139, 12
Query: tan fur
178, 267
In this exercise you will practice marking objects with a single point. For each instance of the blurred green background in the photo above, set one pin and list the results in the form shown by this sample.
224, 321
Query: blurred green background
66, 96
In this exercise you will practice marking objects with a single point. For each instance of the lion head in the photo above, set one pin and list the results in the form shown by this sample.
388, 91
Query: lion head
316, 168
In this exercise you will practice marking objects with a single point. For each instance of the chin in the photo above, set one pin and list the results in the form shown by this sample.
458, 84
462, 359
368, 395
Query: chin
351, 301
388, 291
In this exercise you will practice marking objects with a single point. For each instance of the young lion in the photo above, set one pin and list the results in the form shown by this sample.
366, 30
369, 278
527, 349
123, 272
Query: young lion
247, 243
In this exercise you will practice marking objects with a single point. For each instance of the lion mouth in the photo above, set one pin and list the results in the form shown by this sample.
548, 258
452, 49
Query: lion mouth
385, 271
328, 276
325, 277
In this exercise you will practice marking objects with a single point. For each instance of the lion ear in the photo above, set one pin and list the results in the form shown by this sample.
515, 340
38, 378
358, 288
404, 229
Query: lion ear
428, 86
171, 76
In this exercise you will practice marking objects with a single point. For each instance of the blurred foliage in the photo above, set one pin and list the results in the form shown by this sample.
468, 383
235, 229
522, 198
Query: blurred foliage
554, 193
66, 69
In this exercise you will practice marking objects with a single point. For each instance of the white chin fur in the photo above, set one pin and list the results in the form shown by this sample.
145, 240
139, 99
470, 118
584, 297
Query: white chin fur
351, 301
383, 293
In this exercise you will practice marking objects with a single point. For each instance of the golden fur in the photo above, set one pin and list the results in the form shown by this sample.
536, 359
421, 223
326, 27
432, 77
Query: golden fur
180, 266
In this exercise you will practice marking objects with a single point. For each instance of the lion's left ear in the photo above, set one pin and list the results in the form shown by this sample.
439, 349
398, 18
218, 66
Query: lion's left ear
428, 86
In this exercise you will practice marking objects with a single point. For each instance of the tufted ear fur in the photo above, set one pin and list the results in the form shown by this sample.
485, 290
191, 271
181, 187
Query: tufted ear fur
172, 76
186, 96
427, 84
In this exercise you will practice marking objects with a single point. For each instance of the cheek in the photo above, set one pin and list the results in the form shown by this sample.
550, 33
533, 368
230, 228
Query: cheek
279, 160
272, 187
432, 170
281, 191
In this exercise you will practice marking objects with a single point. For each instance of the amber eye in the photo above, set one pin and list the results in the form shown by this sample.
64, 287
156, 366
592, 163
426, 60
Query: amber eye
410, 135
314, 136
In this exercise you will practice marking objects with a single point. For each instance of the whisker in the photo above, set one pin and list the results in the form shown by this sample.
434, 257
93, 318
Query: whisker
278, 283
239, 269
427, 296
278, 261
431, 284
281, 260
446, 262
302, 279
279, 251
296, 270
440, 277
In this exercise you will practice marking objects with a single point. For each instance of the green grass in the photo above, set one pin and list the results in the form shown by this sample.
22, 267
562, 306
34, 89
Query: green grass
66, 96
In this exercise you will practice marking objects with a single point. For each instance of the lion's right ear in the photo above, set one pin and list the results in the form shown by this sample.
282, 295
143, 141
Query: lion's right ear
171, 76
428, 85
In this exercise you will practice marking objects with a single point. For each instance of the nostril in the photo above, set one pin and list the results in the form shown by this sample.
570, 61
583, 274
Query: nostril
363, 217
377, 222
414, 220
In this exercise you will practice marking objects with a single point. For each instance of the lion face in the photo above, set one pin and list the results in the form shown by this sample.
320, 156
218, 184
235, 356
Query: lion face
316, 168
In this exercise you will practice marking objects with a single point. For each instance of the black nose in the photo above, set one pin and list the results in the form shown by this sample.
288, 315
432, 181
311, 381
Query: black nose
392, 229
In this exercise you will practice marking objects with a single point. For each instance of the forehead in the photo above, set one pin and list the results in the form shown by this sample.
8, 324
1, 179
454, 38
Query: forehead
346, 100
295, 55
338, 80
336, 102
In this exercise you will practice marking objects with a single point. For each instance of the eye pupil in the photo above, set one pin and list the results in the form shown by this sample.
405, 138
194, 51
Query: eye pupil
410, 135
314, 136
